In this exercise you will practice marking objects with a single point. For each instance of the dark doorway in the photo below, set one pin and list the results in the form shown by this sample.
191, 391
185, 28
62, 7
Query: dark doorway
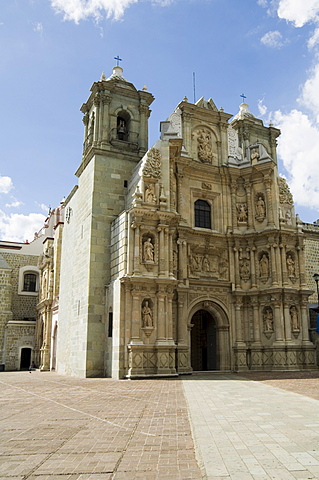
25, 360
203, 342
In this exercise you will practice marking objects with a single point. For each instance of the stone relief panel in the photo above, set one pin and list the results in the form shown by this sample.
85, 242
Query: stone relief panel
152, 167
149, 193
234, 150
206, 148
285, 196
213, 265
242, 213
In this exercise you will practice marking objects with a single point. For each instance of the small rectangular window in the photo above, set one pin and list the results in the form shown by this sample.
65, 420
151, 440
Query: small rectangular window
110, 333
29, 282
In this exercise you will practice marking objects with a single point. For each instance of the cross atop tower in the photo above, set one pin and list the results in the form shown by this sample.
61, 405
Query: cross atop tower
118, 59
243, 97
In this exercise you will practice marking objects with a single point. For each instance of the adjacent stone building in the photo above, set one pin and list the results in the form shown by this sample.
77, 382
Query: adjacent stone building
19, 281
187, 256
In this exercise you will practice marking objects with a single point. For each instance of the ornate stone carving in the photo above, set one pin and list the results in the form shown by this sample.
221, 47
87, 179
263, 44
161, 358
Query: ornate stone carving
244, 269
152, 167
290, 265
294, 318
242, 212
285, 195
148, 250
207, 186
147, 315
268, 319
149, 195
209, 265
264, 266
204, 145
233, 146
260, 207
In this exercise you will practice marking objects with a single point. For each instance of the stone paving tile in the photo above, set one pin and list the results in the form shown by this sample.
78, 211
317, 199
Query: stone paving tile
58, 428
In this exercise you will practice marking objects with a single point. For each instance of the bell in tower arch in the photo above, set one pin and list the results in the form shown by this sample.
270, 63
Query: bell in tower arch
122, 128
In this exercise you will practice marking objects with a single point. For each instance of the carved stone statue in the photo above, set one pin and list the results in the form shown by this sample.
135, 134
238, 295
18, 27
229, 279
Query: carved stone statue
294, 318
290, 266
150, 194
244, 270
260, 207
204, 146
285, 195
254, 156
268, 320
147, 319
242, 215
264, 266
148, 251
205, 264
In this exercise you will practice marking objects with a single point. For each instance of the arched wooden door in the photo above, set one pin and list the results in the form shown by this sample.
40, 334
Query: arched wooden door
204, 348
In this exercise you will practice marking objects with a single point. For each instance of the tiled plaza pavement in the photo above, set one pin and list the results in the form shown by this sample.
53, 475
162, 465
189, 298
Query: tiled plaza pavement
256, 430
245, 427
62, 428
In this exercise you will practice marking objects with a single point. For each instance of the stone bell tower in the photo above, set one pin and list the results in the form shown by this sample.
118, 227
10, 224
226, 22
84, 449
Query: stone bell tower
115, 139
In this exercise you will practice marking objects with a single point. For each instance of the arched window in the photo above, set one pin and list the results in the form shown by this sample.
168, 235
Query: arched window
202, 214
123, 126
29, 282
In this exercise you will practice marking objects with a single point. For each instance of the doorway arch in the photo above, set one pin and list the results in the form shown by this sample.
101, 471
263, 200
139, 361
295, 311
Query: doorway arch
209, 338
25, 358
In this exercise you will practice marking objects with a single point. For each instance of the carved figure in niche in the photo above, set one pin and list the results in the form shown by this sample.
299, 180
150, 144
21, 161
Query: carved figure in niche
288, 218
244, 270
268, 319
260, 207
147, 319
204, 146
242, 212
294, 318
254, 155
148, 250
193, 261
205, 265
264, 266
91, 129
290, 266
150, 194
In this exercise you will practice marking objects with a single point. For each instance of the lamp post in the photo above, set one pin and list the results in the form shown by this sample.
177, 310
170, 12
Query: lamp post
316, 279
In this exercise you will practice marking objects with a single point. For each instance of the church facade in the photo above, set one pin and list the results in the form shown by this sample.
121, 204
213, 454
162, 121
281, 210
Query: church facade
185, 256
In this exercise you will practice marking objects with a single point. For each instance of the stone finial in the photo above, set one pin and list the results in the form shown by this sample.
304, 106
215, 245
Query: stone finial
144, 88
103, 77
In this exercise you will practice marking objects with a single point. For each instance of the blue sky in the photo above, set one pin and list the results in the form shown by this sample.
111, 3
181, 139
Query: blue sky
53, 50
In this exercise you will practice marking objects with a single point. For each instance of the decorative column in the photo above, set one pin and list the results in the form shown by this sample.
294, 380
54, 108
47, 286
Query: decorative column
253, 266
136, 265
267, 181
167, 251
170, 318
233, 189
256, 322
287, 321
278, 320
144, 114
284, 265
161, 250
237, 277
250, 213
105, 123
85, 121
161, 327
274, 276
302, 269
278, 264
136, 319
171, 254
304, 321
96, 103
238, 320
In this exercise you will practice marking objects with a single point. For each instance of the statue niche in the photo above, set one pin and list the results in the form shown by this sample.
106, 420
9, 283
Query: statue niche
294, 318
291, 267
264, 267
268, 319
260, 207
147, 314
148, 250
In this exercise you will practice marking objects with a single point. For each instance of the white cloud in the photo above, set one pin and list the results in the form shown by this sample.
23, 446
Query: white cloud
5, 184
299, 12
272, 39
262, 108
310, 93
19, 228
77, 10
298, 148
43, 207
38, 27
14, 204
